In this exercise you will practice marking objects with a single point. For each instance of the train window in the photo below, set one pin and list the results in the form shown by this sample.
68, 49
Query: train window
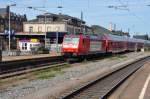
71, 39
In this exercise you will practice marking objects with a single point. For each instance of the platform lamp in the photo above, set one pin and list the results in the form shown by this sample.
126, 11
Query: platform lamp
9, 25
44, 20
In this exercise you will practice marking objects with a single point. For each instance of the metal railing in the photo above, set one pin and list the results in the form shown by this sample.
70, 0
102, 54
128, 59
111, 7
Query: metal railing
16, 53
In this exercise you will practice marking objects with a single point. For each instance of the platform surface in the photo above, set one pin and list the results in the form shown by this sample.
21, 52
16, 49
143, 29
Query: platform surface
12, 58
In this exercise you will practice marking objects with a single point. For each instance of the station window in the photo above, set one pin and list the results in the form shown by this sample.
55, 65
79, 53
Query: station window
39, 29
30, 45
57, 28
31, 29
48, 29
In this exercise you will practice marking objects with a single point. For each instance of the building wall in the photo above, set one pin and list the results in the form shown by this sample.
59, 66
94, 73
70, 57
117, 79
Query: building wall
50, 27
38, 27
73, 29
27, 44
16, 23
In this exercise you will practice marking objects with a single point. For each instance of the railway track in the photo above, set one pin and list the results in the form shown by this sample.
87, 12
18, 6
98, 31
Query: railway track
30, 70
101, 88
19, 65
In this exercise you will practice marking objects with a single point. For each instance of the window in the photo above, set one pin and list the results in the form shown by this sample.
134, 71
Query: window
48, 19
71, 40
57, 28
30, 45
31, 29
39, 29
24, 46
48, 29
41, 19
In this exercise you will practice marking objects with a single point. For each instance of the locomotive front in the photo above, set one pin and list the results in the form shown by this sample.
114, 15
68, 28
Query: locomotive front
70, 45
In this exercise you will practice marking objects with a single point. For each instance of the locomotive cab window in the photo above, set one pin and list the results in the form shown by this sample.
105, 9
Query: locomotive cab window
71, 39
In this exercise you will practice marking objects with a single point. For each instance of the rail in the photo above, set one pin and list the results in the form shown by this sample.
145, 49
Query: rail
17, 73
18, 65
102, 87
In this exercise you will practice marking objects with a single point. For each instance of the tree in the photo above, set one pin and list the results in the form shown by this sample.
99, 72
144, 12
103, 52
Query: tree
95, 28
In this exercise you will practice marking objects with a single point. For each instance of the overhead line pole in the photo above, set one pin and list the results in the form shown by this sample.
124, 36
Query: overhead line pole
9, 33
45, 37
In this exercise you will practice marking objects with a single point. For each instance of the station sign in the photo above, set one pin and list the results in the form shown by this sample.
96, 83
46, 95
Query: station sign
12, 32
34, 40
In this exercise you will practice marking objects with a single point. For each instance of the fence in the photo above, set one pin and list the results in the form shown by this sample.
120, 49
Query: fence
54, 49
16, 53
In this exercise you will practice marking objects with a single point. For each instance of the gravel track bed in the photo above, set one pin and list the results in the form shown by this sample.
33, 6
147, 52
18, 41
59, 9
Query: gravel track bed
19, 91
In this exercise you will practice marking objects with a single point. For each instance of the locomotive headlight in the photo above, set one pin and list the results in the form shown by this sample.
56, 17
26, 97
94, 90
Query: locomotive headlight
75, 46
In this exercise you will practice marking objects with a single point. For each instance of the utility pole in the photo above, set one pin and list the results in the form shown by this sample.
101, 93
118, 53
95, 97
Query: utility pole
57, 41
114, 27
110, 26
128, 30
45, 38
81, 21
45, 29
9, 33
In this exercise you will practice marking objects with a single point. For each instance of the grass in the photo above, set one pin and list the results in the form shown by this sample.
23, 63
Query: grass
117, 56
42, 74
52, 72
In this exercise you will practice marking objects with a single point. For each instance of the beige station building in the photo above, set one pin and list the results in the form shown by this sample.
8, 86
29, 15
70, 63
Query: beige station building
44, 29
53, 23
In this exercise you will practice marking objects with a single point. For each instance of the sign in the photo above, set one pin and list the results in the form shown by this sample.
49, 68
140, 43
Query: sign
34, 40
12, 32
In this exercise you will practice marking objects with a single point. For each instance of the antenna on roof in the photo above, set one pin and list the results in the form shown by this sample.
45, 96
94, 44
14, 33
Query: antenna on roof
81, 21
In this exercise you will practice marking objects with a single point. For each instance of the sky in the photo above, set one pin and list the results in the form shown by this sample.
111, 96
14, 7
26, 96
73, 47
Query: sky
126, 14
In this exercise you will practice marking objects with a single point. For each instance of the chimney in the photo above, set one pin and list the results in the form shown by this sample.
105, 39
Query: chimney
110, 26
114, 27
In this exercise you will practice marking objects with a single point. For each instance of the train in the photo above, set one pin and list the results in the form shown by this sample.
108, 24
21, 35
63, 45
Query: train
82, 45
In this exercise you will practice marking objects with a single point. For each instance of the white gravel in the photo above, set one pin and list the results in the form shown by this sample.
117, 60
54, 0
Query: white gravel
17, 92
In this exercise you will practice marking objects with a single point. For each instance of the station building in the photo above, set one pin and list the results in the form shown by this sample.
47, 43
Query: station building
49, 27
16, 25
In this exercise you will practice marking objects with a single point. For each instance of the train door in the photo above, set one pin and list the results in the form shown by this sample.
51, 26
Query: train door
85, 43
109, 46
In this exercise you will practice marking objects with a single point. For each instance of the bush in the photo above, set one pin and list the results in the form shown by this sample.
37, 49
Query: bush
42, 50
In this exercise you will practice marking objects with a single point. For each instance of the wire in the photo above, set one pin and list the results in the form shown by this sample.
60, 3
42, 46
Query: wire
133, 14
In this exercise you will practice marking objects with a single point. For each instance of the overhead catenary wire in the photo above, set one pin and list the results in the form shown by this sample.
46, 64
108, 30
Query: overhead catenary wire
133, 14
87, 6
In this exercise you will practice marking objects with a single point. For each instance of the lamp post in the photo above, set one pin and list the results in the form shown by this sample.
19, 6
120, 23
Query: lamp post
57, 40
45, 29
9, 26
45, 37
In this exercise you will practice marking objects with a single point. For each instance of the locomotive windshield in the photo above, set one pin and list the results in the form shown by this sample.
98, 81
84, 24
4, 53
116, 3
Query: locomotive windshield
71, 40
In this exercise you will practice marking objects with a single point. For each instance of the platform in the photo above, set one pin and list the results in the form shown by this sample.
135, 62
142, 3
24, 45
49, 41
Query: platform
136, 87
12, 58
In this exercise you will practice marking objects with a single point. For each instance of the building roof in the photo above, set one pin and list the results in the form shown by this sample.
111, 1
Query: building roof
100, 30
144, 37
33, 20
104, 30
56, 17
3, 10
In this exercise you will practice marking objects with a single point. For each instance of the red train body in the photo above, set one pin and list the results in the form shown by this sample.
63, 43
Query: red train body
81, 45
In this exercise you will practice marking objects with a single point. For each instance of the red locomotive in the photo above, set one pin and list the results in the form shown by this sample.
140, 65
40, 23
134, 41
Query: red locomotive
82, 45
